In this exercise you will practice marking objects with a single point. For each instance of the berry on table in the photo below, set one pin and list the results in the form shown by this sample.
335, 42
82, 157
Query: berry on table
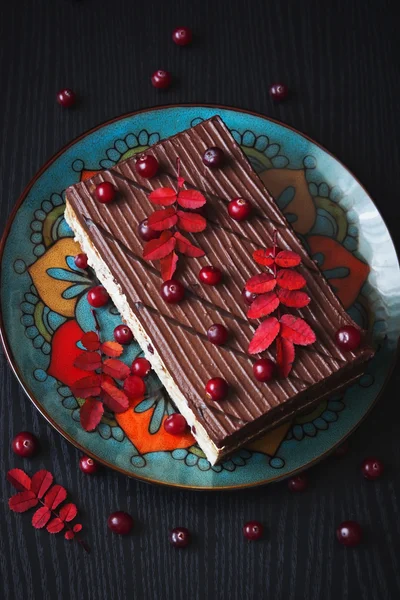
372, 468
81, 261
172, 291
217, 388
248, 297
141, 367
161, 79
123, 335
210, 275
146, 166
279, 91
180, 537
25, 444
213, 157
182, 36
239, 209
88, 465
349, 533
66, 98
348, 338
98, 296
146, 232
120, 522
175, 424
105, 192
253, 530
298, 483
263, 369
217, 334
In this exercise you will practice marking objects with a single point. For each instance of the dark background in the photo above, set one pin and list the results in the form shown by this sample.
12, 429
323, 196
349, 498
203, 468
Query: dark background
341, 60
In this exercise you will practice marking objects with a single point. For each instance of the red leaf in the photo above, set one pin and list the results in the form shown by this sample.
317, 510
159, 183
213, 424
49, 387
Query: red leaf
90, 341
264, 335
116, 368
68, 512
156, 249
55, 525
134, 387
112, 349
90, 414
263, 305
69, 535
168, 266
186, 247
87, 386
19, 479
77, 528
114, 398
164, 196
191, 199
41, 517
55, 496
41, 481
259, 284
23, 501
293, 299
286, 259
290, 280
163, 219
297, 330
191, 221
88, 361
264, 257
284, 355
181, 181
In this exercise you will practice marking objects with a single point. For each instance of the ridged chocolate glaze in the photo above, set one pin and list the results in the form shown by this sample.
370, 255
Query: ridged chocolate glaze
178, 332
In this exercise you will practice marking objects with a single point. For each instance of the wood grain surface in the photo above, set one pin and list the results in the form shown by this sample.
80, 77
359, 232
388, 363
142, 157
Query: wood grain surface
341, 60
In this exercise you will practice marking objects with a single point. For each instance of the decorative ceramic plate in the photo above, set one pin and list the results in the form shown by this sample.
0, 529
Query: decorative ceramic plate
45, 311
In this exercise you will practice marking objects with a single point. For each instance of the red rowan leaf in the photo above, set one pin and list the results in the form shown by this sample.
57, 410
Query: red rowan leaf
55, 496
88, 361
90, 341
191, 221
87, 386
168, 266
41, 517
69, 535
114, 398
164, 196
191, 199
41, 481
163, 219
264, 257
263, 305
55, 525
259, 284
19, 479
284, 355
134, 387
186, 247
264, 335
90, 414
290, 280
286, 259
77, 528
68, 512
293, 299
112, 349
23, 501
181, 181
156, 249
116, 368
296, 330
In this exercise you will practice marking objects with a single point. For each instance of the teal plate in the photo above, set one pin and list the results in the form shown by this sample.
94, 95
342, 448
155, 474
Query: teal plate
44, 310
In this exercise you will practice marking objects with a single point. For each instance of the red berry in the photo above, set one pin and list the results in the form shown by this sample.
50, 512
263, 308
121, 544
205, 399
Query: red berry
298, 483
342, 450
349, 533
172, 291
182, 36
98, 296
217, 388
161, 79
210, 275
88, 465
217, 334
372, 468
122, 334
253, 530
180, 537
105, 192
120, 522
279, 91
263, 369
348, 338
213, 157
248, 297
175, 424
66, 98
81, 261
146, 232
141, 367
146, 166
25, 444
239, 209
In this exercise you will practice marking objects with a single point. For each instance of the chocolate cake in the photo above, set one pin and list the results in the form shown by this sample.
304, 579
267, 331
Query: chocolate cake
174, 336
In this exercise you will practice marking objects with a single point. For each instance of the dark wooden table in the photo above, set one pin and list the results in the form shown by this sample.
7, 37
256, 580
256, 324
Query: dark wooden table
341, 59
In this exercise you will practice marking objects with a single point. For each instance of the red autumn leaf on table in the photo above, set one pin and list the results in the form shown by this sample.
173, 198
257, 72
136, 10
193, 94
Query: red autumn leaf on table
41, 482
191, 199
287, 258
284, 355
290, 280
164, 196
77, 528
23, 501
69, 535
41, 517
156, 249
181, 181
114, 398
88, 361
168, 266
264, 335
264, 257
116, 368
186, 247
297, 330
90, 414
87, 386
293, 299
112, 349
134, 387
163, 219
259, 284
90, 341
263, 305
55, 525
68, 512
19, 479
55, 496
191, 221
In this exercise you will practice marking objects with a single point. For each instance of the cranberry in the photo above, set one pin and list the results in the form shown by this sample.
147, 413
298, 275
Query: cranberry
182, 36
88, 465
348, 338
141, 367
120, 522
25, 444
248, 297
180, 537
263, 369
217, 334
210, 275
349, 533
298, 483
217, 388
175, 424
161, 79
279, 91
172, 291
98, 296
239, 209
146, 166
146, 232
81, 261
105, 192
253, 530
213, 157
372, 468
342, 450
66, 98
122, 334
